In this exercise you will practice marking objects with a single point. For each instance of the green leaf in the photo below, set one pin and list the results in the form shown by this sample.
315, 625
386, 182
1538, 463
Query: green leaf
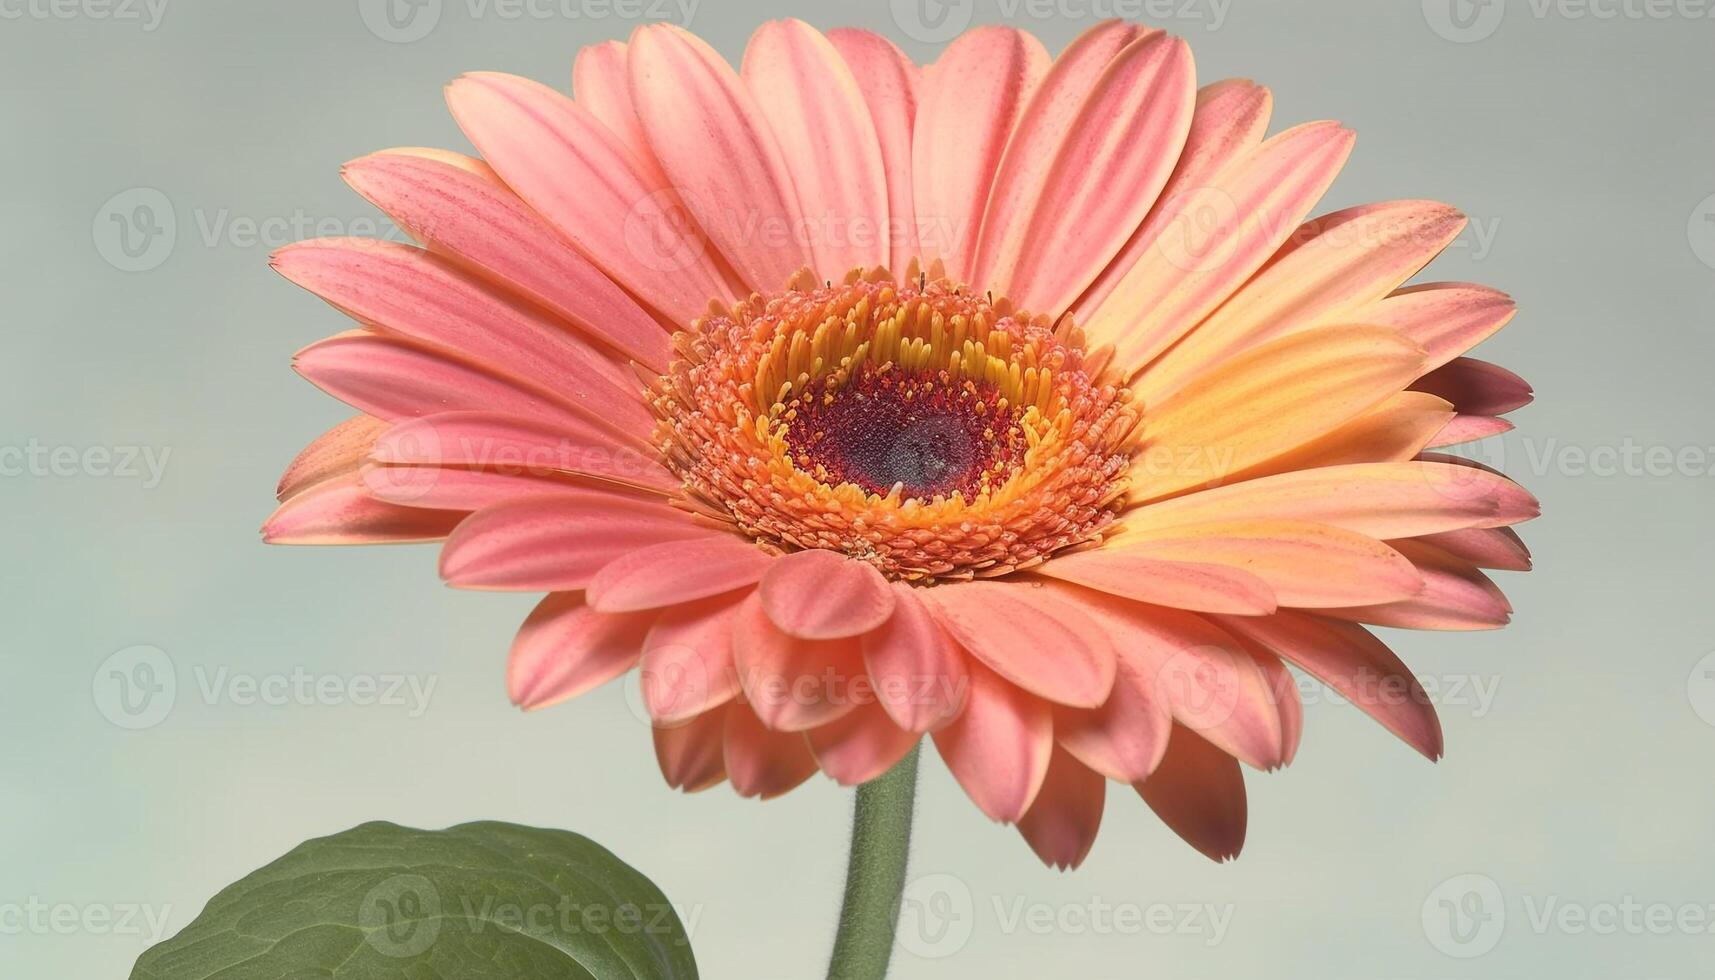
482, 901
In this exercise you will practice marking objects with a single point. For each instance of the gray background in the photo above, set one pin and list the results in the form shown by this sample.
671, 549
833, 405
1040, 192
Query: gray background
1583, 779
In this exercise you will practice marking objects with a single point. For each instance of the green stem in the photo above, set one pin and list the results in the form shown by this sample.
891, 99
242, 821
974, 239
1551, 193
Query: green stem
875, 875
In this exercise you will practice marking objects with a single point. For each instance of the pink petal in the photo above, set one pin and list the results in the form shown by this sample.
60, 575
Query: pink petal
918, 672
336, 452
1355, 664
521, 446
763, 762
1230, 119
1090, 154
688, 666
1031, 636
971, 99
818, 115
339, 510
1125, 737
1455, 596
1470, 428
456, 205
1497, 547
396, 379
708, 564
601, 83
565, 648
821, 595
1307, 565
1446, 318
1382, 500
1476, 387
719, 153
442, 488
1330, 268
999, 748
1177, 584
794, 684
889, 82
1211, 237
409, 292
1283, 688
558, 543
691, 755
581, 178
1199, 793
1061, 825
860, 746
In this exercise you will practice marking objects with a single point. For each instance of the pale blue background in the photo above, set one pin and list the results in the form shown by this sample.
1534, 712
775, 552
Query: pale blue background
1582, 147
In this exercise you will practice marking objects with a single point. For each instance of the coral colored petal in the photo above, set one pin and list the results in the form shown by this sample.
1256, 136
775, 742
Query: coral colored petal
1085, 165
918, 672
691, 755
442, 488
1176, 584
717, 149
584, 181
457, 205
794, 684
523, 446
338, 451
565, 648
396, 379
1455, 596
411, 293
340, 510
1357, 665
861, 746
999, 748
1382, 500
1392, 432
1125, 737
1476, 387
601, 83
1061, 825
1332, 267
678, 571
817, 113
889, 82
1495, 547
971, 99
762, 762
1267, 402
1210, 238
1199, 793
1445, 318
1230, 119
687, 666
558, 543
1307, 565
821, 595
1469, 428
1030, 636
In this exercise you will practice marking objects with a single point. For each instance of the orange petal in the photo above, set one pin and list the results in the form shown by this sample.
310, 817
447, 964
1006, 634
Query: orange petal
1176, 584
795, 684
763, 762
557, 543
1030, 636
860, 746
999, 748
1061, 825
565, 648
821, 595
687, 667
677, 571
917, 670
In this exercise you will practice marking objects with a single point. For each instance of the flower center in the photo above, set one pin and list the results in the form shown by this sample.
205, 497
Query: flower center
932, 432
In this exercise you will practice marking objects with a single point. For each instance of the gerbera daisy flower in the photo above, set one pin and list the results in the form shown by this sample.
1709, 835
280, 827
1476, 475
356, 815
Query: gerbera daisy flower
1011, 400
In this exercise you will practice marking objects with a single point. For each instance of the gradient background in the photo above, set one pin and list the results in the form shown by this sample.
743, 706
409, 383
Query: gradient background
1582, 145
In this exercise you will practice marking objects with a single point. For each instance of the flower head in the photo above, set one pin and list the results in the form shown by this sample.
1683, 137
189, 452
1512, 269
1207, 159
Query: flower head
1012, 399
